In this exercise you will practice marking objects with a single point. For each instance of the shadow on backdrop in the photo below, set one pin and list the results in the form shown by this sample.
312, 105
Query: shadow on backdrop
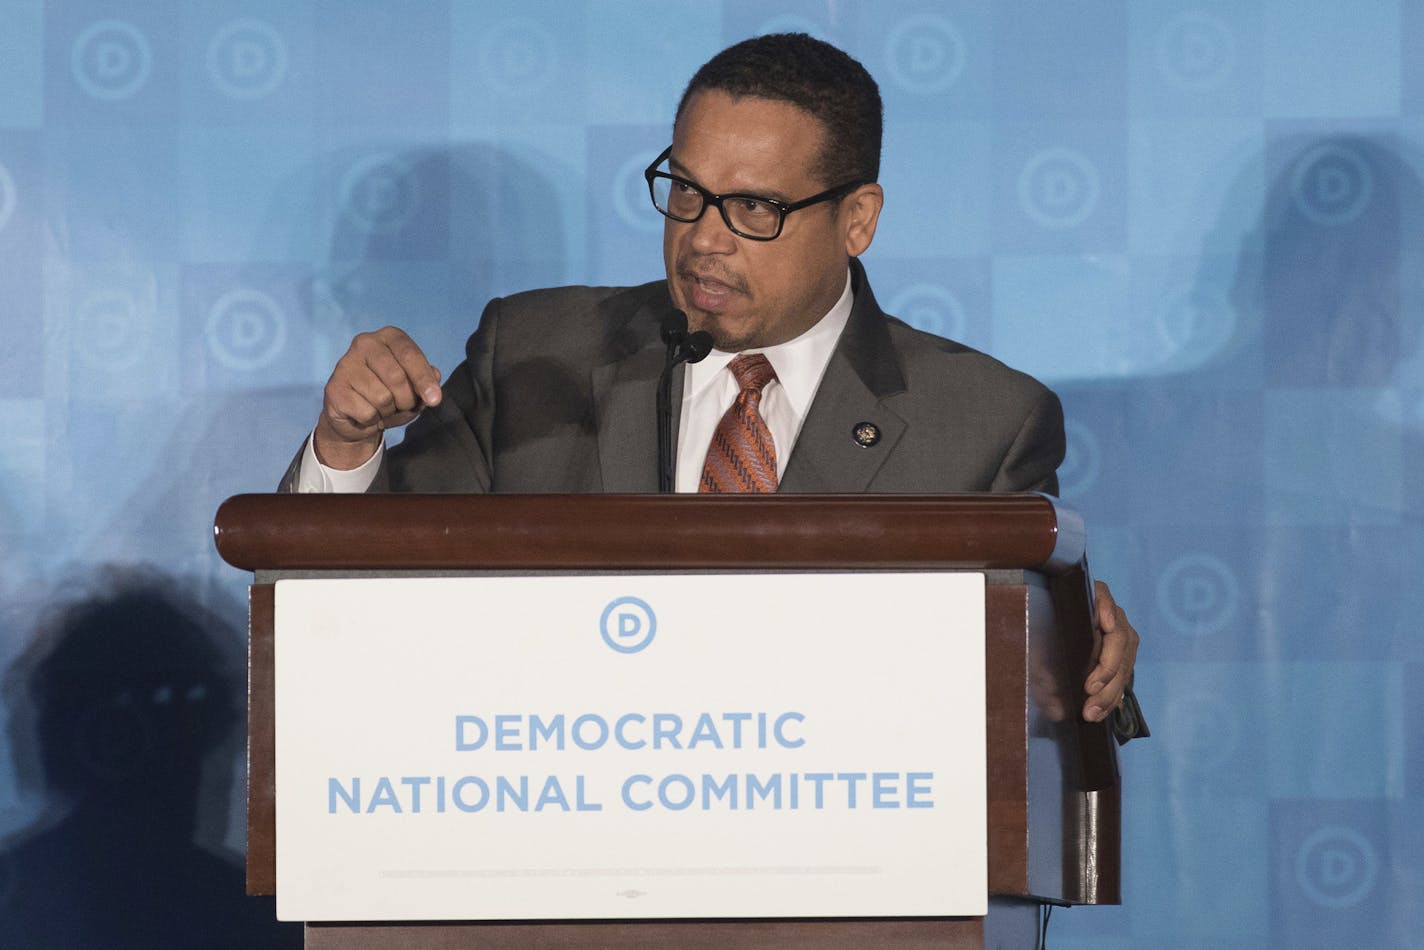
124, 710
1340, 281
419, 237
1262, 500
423, 238
123, 714
1304, 403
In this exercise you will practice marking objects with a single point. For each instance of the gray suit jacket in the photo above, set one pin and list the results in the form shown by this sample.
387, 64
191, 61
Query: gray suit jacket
557, 394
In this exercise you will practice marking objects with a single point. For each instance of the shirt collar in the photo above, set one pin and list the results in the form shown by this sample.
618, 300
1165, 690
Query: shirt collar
799, 363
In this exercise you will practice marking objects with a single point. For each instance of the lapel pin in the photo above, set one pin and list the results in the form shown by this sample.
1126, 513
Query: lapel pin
865, 434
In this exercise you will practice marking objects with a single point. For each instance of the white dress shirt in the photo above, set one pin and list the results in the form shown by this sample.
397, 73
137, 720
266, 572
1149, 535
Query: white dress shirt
708, 390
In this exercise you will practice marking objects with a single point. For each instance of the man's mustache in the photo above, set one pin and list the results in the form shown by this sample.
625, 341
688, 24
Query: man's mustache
692, 268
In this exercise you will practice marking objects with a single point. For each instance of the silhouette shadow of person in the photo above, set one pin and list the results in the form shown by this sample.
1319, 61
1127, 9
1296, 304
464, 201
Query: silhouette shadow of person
123, 711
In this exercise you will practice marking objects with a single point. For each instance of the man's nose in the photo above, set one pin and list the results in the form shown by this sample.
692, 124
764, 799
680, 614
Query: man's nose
710, 234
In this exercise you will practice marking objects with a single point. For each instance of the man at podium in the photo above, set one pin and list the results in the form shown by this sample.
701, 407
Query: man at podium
769, 192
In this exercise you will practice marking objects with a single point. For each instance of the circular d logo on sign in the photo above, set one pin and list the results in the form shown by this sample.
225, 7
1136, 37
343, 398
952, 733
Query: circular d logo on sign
628, 625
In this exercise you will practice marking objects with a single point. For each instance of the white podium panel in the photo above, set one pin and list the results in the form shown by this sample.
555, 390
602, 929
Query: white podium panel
763, 745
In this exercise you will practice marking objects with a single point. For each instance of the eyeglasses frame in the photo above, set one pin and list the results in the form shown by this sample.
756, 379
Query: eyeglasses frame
784, 208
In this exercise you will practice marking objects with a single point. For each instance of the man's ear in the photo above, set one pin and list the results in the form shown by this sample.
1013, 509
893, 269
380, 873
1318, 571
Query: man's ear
860, 211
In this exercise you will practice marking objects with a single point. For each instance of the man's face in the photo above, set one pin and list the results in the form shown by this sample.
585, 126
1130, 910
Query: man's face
758, 293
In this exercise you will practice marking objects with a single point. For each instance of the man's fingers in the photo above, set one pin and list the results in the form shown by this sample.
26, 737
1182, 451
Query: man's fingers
1104, 699
387, 384
1115, 657
358, 401
1109, 613
368, 409
1109, 663
383, 381
422, 378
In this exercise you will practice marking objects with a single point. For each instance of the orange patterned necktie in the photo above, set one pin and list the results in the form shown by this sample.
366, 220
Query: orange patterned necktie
742, 456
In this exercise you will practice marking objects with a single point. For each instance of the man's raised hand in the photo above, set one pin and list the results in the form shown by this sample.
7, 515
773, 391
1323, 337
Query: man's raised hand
382, 382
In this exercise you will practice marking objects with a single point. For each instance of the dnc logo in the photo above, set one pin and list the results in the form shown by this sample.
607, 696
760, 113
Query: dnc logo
628, 625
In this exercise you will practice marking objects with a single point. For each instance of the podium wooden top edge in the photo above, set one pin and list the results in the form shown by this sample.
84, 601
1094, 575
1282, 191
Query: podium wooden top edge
278, 532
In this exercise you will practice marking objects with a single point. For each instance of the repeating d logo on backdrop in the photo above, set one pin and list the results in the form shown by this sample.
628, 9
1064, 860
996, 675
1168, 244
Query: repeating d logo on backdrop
246, 329
1336, 867
931, 308
628, 624
926, 54
111, 60
519, 57
1059, 188
1196, 51
112, 330
1198, 594
1332, 184
379, 193
247, 59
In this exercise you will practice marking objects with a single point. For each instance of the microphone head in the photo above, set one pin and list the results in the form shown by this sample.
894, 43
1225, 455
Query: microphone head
674, 327
697, 346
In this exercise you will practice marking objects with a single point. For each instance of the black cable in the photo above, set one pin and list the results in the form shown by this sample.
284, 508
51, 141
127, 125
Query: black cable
1045, 911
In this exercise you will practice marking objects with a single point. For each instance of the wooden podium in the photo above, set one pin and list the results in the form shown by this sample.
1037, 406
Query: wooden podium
1053, 787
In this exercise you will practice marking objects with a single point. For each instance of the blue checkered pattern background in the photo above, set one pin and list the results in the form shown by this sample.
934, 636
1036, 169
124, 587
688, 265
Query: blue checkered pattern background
1201, 222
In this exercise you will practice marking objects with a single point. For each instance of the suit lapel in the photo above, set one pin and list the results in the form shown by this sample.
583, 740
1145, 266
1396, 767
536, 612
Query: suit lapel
625, 407
864, 372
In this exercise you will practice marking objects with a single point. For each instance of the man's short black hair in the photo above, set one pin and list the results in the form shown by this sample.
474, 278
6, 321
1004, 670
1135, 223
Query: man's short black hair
813, 76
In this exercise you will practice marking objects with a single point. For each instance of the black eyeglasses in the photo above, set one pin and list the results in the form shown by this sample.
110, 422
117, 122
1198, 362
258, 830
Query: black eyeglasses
751, 216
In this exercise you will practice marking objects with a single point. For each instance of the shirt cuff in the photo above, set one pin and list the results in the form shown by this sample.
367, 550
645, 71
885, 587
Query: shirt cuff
316, 478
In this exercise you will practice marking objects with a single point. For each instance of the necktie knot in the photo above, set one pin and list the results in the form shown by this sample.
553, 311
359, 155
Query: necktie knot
752, 372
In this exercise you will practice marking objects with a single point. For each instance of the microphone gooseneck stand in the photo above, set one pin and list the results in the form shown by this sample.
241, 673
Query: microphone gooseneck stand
682, 347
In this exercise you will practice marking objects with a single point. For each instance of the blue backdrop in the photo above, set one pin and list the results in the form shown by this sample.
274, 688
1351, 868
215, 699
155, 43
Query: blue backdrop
1200, 222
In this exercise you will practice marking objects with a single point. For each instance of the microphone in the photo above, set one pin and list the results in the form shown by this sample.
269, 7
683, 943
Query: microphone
682, 347
674, 328
694, 348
